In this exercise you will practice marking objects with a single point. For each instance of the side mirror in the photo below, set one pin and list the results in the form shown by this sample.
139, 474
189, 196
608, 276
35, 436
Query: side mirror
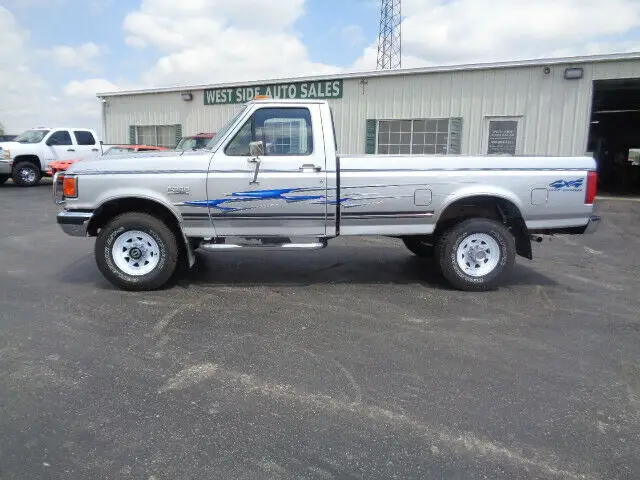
256, 149
51, 142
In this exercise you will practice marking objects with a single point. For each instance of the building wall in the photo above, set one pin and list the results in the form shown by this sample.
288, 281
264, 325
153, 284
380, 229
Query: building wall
554, 113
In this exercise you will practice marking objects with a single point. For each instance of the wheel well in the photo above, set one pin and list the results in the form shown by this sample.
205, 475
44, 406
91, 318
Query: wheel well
494, 208
28, 158
103, 214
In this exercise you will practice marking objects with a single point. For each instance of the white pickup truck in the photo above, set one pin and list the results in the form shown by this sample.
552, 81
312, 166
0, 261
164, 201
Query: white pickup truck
26, 159
271, 178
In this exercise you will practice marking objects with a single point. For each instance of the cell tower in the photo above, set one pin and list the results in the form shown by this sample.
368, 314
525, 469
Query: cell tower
390, 36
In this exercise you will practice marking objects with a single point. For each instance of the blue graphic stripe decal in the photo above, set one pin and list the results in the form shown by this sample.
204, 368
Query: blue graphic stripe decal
286, 194
232, 202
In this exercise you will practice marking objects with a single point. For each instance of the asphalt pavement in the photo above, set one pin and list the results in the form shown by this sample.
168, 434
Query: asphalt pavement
354, 362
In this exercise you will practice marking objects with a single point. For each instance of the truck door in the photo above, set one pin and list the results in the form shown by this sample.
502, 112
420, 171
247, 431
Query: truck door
281, 192
60, 146
87, 147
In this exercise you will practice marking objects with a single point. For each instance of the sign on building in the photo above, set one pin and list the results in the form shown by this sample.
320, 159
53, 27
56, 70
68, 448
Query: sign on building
302, 90
503, 136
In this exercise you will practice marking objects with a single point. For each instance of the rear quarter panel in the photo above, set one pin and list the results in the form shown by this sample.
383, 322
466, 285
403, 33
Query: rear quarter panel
377, 194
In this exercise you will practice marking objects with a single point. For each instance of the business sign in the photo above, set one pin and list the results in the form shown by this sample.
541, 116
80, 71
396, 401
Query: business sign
303, 91
503, 136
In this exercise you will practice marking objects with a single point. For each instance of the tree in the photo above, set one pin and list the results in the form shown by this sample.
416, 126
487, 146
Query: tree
1, 129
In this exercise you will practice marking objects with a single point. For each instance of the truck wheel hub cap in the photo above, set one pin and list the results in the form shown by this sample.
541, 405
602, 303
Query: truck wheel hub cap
27, 175
478, 254
136, 253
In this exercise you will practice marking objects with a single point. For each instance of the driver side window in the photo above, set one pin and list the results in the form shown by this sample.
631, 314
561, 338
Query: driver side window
283, 131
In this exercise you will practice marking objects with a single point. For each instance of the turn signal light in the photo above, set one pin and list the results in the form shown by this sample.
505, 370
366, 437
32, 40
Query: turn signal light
592, 187
70, 186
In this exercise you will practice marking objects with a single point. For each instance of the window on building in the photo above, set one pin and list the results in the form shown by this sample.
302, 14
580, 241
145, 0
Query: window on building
84, 137
157, 135
413, 137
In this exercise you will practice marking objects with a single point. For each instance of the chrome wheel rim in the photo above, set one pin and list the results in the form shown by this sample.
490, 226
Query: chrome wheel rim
27, 175
478, 254
136, 253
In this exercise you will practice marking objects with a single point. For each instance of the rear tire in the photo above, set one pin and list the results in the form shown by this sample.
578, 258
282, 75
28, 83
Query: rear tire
3, 179
136, 252
26, 174
420, 246
476, 254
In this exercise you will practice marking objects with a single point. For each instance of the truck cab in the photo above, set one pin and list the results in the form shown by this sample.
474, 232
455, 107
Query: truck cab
26, 159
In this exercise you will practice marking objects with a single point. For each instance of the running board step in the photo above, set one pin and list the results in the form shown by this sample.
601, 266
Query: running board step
266, 246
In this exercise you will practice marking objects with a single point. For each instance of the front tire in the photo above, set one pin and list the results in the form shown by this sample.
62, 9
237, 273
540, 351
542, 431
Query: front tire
476, 254
137, 252
26, 174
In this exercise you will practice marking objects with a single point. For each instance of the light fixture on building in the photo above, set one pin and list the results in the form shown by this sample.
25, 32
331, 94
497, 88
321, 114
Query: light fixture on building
575, 73
187, 96
546, 70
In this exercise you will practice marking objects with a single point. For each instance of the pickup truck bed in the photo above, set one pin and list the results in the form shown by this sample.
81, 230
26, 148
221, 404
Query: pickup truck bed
272, 179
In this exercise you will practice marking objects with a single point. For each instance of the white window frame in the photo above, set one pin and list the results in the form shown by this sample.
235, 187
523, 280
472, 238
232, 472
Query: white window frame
413, 120
156, 134
519, 119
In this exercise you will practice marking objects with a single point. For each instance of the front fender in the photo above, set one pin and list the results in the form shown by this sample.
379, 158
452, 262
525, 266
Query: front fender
120, 194
138, 193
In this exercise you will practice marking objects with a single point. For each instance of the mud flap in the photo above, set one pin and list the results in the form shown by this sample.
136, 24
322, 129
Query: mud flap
523, 241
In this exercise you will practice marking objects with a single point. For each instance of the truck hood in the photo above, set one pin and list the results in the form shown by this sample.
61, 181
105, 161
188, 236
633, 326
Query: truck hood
11, 145
143, 162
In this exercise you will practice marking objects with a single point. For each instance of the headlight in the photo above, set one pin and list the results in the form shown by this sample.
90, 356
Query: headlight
5, 154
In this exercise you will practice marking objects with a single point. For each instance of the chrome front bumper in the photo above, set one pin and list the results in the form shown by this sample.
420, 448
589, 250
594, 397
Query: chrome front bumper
593, 224
74, 223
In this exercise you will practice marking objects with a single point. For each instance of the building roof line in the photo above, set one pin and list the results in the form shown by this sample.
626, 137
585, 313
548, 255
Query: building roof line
386, 73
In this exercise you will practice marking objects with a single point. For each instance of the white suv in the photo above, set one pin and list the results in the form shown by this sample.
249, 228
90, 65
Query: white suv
26, 159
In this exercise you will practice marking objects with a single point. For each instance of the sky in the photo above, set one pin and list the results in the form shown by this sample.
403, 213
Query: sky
55, 55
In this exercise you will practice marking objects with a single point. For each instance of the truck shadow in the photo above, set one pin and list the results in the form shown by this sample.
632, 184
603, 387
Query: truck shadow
338, 265
341, 265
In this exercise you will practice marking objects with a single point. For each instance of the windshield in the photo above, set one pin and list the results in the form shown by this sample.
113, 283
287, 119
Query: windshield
31, 136
215, 141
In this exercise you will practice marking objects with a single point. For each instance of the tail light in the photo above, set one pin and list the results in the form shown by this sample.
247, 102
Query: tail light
592, 187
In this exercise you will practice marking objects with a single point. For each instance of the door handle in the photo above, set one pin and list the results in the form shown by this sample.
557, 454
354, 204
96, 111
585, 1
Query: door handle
310, 166
95, 150
70, 150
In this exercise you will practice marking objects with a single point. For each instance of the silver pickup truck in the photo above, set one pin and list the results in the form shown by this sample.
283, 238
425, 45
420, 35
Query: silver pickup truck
272, 179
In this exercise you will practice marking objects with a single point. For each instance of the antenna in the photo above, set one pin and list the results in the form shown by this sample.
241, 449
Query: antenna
390, 35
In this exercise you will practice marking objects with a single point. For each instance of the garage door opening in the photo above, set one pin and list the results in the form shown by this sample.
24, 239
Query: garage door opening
614, 135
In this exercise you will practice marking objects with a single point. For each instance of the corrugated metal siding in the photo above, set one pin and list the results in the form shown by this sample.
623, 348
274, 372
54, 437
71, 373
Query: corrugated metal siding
554, 112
